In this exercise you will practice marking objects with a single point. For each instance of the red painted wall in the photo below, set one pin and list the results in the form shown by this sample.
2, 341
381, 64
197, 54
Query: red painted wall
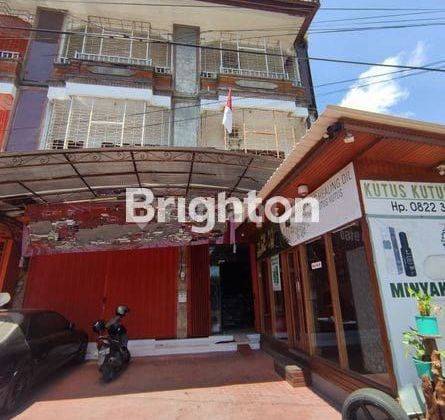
198, 314
14, 40
88, 286
4, 118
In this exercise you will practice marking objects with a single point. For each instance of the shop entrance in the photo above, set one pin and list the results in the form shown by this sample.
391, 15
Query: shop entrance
231, 289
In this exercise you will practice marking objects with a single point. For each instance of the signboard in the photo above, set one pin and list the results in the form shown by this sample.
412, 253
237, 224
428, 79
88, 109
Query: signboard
403, 198
407, 226
338, 203
270, 241
316, 265
276, 275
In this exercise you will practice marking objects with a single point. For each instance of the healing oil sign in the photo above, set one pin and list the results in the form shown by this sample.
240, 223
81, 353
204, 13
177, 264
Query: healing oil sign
407, 226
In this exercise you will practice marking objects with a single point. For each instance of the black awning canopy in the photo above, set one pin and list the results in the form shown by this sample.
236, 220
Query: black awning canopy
63, 176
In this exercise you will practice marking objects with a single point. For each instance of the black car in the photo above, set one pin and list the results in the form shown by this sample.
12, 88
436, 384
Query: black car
33, 344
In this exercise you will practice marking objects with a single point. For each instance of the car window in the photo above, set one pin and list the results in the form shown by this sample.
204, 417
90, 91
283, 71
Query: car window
46, 323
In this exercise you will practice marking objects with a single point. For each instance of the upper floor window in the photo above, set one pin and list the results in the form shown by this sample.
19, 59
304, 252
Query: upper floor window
117, 41
264, 59
83, 122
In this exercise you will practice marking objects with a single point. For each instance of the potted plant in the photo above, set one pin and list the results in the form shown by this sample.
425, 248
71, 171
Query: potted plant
426, 321
414, 345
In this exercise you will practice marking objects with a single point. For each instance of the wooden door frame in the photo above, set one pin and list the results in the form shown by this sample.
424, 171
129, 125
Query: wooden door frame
255, 287
289, 303
296, 300
4, 261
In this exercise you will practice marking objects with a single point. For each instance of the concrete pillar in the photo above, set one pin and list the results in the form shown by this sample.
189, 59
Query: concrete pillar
186, 80
181, 312
33, 84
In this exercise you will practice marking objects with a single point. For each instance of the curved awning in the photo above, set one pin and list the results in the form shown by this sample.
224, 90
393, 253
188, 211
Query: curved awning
63, 176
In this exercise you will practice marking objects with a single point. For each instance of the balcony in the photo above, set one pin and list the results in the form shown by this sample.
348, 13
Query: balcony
85, 122
13, 42
115, 41
255, 131
264, 59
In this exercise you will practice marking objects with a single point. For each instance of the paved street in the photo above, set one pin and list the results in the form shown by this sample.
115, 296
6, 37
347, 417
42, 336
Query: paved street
210, 386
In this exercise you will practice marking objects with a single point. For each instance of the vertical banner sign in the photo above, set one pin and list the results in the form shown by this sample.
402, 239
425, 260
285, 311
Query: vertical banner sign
407, 226
276, 276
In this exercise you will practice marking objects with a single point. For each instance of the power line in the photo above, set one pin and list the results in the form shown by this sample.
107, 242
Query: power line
380, 8
370, 84
207, 47
338, 82
391, 21
335, 30
370, 17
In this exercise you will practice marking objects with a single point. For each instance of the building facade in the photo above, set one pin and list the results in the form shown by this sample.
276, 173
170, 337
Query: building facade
334, 295
95, 99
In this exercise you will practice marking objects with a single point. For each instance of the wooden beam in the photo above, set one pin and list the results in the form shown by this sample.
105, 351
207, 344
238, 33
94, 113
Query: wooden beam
255, 287
299, 301
273, 314
335, 297
4, 260
289, 303
308, 308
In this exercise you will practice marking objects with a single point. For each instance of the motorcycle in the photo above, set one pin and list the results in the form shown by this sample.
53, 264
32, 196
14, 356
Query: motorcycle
113, 354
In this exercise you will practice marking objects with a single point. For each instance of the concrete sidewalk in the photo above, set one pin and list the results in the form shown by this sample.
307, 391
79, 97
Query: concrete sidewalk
205, 386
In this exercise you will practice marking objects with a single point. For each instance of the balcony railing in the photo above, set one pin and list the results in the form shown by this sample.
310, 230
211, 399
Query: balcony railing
116, 41
113, 59
9, 55
266, 60
255, 73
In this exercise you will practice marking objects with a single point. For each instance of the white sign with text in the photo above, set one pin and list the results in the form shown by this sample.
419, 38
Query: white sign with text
338, 203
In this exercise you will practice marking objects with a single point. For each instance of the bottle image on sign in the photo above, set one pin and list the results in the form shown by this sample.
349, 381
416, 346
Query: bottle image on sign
407, 256
395, 247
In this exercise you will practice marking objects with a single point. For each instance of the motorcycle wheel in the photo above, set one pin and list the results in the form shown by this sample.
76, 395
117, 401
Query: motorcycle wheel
126, 355
368, 403
108, 373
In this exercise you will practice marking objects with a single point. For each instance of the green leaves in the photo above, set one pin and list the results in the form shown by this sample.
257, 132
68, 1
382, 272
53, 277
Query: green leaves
413, 344
424, 303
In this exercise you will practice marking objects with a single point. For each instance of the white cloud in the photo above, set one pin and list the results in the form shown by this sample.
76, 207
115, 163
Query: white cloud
381, 97
418, 56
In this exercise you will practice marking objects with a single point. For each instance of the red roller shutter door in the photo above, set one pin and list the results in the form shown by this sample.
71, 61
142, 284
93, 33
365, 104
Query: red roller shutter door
198, 323
145, 280
88, 286
71, 284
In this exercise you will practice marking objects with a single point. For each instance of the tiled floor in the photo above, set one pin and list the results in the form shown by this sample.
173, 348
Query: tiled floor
206, 386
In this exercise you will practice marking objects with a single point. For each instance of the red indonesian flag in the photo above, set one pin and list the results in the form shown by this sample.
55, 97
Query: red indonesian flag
227, 118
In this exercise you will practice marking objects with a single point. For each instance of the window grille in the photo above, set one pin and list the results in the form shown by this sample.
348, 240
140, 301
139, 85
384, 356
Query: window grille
273, 133
263, 60
84, 122
9, 55
100, 39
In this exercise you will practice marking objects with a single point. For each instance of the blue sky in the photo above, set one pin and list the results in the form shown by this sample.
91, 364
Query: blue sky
420, 96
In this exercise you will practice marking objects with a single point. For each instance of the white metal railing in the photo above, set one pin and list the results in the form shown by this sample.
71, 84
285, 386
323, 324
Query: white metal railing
112, 59
10, 55
62, 60
264, 59
255, 73
162, 70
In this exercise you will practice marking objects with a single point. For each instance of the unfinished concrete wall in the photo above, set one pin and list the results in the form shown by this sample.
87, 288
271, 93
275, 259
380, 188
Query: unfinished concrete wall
186, 117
